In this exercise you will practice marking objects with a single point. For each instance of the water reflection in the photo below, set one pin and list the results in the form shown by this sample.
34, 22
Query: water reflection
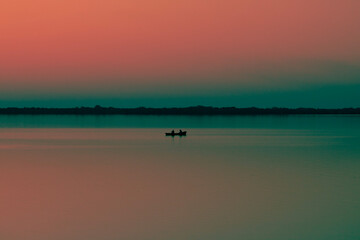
214, 184
303, 122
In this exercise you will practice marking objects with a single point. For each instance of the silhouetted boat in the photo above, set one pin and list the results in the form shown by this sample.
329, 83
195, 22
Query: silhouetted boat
176, 134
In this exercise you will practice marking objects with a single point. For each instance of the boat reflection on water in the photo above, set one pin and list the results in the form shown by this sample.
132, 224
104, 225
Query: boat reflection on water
180, 133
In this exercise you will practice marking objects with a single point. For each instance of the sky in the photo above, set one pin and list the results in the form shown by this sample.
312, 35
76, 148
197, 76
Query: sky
161, 53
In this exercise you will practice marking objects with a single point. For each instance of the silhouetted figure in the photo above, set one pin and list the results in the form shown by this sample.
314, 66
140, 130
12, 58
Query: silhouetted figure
173, 133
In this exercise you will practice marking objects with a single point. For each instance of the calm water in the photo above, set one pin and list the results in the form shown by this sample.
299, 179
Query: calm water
119, 177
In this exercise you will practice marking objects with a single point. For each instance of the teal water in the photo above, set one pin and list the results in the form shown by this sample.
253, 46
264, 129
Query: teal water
119, 177
331, 122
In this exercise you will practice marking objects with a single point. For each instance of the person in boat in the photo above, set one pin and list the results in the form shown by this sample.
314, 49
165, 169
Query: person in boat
180, 131
172, 132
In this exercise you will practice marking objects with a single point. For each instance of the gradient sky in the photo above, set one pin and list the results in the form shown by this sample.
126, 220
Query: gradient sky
179, 53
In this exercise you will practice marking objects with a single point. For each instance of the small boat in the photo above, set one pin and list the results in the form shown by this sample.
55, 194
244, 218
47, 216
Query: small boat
176, 134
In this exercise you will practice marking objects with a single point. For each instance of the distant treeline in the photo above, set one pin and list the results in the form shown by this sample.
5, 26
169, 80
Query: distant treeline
197, 110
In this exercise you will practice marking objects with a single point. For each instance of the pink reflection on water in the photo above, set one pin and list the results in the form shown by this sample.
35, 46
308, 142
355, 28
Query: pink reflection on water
137, 184
53, 190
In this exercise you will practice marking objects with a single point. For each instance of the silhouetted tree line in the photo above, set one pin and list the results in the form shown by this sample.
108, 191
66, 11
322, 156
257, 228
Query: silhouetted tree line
197, 110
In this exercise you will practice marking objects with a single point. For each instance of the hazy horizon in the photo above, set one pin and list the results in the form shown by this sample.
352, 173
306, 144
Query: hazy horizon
330, 96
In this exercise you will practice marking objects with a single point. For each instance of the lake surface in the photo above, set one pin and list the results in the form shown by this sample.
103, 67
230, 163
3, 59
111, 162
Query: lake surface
236, 177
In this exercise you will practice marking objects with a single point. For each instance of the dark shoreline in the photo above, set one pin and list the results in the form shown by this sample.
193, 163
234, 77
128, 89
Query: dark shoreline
197, 110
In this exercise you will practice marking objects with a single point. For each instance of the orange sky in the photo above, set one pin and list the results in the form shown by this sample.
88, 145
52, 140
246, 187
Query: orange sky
59, 44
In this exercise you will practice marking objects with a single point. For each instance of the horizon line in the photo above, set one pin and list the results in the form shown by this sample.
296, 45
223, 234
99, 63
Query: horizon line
191, 110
